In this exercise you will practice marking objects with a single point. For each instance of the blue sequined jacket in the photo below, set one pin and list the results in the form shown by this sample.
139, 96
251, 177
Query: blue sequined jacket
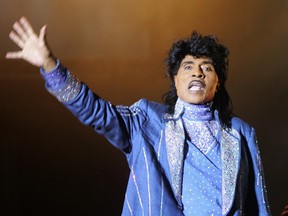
153, 142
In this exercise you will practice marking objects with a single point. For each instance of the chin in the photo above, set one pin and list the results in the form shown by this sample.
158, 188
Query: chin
194, 101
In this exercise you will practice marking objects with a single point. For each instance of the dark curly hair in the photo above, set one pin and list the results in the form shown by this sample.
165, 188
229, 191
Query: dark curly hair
201, 46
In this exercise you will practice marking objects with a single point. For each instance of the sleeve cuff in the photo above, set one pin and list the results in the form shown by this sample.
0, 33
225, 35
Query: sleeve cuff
61, 83
56, 77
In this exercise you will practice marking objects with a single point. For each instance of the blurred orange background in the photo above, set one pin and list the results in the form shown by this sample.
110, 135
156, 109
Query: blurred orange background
53, 165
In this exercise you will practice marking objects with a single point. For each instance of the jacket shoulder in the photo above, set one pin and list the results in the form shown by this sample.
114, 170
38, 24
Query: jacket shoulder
242, 126
151, 107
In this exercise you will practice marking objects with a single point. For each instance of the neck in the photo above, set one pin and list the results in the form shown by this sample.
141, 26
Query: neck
197, 112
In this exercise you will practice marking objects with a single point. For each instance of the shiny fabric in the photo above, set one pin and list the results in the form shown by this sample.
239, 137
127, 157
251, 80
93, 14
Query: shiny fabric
202, 182
153, 142
202, 175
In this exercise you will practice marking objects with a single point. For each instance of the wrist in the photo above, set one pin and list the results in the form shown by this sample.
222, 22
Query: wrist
49, 64
56, 77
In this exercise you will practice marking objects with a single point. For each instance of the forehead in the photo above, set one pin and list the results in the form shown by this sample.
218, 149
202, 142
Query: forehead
189, 59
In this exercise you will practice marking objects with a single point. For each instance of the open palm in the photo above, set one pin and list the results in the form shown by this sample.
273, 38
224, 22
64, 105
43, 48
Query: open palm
34, 48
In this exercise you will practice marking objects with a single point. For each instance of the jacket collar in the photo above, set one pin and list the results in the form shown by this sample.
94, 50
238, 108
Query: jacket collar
230, 154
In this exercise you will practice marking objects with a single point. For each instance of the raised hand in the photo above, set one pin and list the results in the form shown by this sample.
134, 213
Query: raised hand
34, 48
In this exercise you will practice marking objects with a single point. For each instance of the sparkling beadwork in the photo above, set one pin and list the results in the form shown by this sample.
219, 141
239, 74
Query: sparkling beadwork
137, 189
129, 110
202, 133
68, 91
202, 181
260, 177
202, 167
199, 125
175, 147
230, 159
196, 112
56, 78
60, 83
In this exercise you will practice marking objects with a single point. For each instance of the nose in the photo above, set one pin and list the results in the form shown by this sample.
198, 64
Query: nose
198, 73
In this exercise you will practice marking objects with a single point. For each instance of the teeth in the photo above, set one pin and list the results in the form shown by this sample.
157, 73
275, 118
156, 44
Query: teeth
195, 88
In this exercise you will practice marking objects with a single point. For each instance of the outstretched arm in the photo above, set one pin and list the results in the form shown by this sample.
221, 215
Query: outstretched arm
34, 48
118, 124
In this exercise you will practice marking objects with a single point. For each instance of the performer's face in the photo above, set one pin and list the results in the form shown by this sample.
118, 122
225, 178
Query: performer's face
196, 80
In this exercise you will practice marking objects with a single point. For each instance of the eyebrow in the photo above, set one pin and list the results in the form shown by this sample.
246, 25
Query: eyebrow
192, 62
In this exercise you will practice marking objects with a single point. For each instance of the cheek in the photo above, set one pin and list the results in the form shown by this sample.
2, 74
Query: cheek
216, 83
177, 82
214, 86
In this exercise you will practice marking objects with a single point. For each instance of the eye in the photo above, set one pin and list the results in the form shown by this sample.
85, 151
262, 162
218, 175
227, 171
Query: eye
188, 67
206, 68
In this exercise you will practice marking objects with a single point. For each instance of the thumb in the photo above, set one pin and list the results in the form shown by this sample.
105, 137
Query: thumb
42, 35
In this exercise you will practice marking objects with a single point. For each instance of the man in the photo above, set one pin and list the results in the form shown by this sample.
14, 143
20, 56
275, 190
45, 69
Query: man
190, 156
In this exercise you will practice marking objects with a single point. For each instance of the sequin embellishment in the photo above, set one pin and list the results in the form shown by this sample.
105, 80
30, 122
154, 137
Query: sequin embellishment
174, 143
230, 154
129, 110
68, 91
202, 133
61, 83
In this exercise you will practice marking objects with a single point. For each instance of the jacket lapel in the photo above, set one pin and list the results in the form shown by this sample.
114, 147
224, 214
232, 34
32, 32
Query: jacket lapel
175, 138
230, 155
175, 152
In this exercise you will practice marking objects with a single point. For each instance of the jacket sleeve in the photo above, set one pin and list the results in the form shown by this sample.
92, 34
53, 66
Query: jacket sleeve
117, 123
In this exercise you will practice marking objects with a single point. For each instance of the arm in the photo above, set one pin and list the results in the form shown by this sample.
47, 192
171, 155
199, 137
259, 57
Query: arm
117, 124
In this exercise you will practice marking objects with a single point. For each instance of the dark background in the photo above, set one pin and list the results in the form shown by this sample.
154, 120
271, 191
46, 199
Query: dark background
53, 165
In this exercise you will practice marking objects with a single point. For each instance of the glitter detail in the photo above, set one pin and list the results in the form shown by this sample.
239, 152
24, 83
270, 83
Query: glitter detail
175, 135
243, 182
202, 133
196, 112
202, 180
178, 110
68, 91
60, 83
137, 189
128, 204
199, 125
129, 110
175, 147
162, 196
148, 181
230, 156
159, 145
260, 178
56, 77
230, 162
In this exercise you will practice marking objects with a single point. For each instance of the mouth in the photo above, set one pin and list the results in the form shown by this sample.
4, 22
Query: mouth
196, 85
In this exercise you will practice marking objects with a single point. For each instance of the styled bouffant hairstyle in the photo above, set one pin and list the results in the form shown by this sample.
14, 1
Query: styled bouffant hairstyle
201, 46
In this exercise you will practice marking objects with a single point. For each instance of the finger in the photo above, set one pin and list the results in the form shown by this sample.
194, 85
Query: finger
14, 55
27, 26
20, 31
17, 40
42, 35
